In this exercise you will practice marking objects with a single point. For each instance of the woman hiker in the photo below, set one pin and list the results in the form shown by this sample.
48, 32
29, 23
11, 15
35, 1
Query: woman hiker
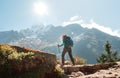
68, 44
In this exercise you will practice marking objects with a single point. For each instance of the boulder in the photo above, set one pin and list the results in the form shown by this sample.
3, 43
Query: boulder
20, 62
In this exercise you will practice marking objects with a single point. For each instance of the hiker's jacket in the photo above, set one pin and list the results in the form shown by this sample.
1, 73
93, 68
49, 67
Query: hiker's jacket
67, 41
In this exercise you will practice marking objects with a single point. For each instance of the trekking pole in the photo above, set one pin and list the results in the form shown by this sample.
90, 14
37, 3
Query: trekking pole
58, 49
59, 54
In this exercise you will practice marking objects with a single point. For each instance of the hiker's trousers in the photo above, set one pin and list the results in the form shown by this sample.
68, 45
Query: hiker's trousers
69, 50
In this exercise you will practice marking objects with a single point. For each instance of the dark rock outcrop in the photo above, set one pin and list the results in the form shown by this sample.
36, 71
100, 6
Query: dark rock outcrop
18, 62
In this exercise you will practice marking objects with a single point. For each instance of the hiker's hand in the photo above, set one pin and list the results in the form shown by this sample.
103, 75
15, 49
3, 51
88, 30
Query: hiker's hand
58, 45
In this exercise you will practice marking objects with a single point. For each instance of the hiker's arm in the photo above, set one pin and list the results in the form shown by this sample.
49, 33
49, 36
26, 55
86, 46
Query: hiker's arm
60, 45
63, 43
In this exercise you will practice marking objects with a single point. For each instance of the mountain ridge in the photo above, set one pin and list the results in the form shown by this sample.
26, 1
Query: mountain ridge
87, 42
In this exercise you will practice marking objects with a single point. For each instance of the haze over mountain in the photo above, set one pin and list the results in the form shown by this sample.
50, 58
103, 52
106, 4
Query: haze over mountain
88, 43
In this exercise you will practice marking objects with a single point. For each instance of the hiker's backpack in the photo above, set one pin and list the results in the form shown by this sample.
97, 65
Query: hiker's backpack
68, 41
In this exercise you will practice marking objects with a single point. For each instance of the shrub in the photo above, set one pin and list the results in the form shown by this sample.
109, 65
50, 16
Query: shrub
8, 53
8, 57
58, 71
79, 60
5, 50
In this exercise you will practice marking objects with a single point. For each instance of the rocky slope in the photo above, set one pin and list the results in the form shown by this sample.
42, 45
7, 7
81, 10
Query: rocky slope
19, 62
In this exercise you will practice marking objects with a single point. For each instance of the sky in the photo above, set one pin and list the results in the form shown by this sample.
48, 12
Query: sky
20, 14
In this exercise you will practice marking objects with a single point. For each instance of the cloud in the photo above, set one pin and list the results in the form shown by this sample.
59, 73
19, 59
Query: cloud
102, 28
91, 24
74, 19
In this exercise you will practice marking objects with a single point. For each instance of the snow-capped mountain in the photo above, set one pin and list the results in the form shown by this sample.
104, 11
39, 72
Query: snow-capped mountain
88, 43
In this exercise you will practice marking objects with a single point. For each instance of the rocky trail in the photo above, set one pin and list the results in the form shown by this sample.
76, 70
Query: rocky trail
111, 70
